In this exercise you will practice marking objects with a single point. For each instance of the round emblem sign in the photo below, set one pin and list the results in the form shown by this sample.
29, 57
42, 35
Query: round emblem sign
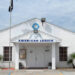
35, 26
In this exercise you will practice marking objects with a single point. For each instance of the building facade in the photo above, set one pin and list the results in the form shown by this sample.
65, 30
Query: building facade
36, 44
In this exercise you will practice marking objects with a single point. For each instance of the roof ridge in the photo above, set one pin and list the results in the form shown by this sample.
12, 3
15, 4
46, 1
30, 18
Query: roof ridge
34, 19
61, 27
17, 24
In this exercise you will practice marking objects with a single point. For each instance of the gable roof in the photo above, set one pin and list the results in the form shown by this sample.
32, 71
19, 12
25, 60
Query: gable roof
41, 34
39, 20
17, 25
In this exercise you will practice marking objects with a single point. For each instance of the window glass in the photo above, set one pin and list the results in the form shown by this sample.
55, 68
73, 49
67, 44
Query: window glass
6, 54
63, 53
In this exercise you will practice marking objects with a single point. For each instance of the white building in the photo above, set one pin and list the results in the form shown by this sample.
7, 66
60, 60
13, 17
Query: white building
35, 44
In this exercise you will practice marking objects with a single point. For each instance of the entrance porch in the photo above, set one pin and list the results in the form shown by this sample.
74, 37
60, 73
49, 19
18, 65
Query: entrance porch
35, 55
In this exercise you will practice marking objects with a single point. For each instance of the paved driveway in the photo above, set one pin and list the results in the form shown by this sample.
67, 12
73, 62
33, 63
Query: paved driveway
4, 72
38, 72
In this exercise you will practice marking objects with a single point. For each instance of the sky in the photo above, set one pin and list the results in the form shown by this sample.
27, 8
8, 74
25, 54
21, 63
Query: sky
58, 12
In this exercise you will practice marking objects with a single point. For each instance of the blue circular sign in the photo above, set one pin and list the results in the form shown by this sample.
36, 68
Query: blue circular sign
35, 26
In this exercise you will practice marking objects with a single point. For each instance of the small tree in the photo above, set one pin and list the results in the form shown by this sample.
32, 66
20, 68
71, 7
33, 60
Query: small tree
1, 57
71, 60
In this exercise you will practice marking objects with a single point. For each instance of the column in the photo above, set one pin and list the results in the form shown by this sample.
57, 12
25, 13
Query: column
16, 56
53, 57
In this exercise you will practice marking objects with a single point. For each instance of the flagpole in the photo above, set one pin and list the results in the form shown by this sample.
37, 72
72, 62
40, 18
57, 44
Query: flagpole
10, 19
10, 38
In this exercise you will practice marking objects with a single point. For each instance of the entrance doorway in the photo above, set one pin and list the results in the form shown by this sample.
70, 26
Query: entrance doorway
38, 56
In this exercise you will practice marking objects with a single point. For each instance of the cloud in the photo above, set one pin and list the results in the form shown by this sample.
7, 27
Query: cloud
59, 12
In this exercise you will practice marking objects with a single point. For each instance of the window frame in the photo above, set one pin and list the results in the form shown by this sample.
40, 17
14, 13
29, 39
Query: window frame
7, 53
64, 53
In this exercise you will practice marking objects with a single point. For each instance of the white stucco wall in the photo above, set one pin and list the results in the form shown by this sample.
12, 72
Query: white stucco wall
68, 39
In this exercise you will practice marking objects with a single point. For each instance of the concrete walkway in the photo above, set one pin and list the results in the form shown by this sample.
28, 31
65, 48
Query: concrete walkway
68, 72
37, 72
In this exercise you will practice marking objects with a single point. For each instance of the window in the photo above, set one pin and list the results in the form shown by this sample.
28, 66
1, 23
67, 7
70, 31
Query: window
63, 53
6, 54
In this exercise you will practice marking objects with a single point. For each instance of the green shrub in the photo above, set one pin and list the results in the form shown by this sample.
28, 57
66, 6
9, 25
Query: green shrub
70, 61
1, 57
73, 56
